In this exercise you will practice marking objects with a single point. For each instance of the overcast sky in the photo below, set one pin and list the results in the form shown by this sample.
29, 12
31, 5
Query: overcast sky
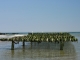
39, 15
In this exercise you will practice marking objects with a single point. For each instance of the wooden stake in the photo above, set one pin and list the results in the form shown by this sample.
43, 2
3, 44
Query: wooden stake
23, 43
31, 44
12, 46
61, 45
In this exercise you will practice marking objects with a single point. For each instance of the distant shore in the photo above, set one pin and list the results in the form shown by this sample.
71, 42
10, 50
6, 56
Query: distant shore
7, 33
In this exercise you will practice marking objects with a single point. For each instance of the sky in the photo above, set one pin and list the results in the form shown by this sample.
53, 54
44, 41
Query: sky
40, 15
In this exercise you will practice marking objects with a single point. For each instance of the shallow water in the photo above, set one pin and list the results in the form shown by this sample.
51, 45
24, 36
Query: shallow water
42, 51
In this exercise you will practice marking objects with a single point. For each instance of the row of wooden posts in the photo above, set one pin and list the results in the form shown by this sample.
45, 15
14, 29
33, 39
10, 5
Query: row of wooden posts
40, 37
12, 46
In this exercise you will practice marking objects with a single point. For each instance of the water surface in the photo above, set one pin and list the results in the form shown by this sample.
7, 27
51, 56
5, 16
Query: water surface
42, 51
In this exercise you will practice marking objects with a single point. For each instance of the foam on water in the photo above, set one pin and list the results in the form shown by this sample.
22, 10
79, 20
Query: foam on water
10, 36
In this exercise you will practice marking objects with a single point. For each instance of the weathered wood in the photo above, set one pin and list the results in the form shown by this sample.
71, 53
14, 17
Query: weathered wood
61, 45
23, 43
31, 44
12, 46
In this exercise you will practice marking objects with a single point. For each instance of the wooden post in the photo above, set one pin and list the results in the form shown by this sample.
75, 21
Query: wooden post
23, 43
31, 44
61, 45
12, 46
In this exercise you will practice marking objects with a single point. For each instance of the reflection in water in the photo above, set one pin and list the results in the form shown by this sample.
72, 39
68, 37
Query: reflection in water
12, 53
44, 51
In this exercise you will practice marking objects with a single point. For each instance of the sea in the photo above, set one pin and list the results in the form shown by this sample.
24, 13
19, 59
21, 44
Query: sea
42, 51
